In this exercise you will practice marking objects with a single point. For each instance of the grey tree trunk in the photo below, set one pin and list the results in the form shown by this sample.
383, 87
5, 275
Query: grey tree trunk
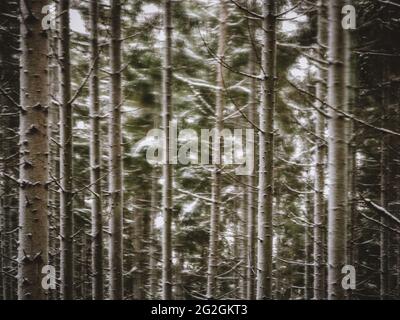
266, 153
95, 158
252, 179
115, 157
352, 214
54, 151
34, 148
153, 279
212, 285
66, 196
308, 248
320, 156
337, 151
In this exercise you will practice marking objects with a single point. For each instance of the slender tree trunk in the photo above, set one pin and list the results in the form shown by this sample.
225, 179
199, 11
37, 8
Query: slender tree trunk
252, 179
66, 214
144, 262
167, 169
352, 215
115, 157
308, 247
95, 158
212, 286
54, 152
153, 280
243, 247
319, 182
34, 148
266, 153
337, 153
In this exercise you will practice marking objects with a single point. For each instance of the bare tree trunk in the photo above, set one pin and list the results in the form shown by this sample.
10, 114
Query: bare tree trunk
153, 279
66, 214
167, 169
34, 148
319, 183
212, 286
252, 179
115, 157
95, 158
352, 219
308, 248
337, 158
243, 247
266, 153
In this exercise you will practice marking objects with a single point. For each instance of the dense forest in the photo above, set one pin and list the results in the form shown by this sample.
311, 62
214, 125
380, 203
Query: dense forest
200, 149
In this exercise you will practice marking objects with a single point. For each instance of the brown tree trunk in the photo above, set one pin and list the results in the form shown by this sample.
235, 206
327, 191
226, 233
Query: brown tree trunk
33, 194
115, 157
167, 205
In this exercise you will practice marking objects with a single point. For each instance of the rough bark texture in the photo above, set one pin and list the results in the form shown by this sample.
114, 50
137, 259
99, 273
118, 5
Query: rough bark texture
320, 156
33, 221
95, 158
212, 285
337, 153
167, 165
115, 157
266, 153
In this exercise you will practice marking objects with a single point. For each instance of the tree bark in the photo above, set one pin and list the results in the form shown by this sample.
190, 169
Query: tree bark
153, 280
167, 116
308, 248
66, 196
252, 179
212, 285
319, 182
95, 158
337, 158
34, 148
115, 157
266, 153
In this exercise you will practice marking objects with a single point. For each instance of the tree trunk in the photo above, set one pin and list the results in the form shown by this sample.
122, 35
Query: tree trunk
243, 247
95, 158
66, 214
115, 157
212, 286
167, 169
337, 153
153, 280
308, 247
252, 179
319, 182
266, 153
34, 148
